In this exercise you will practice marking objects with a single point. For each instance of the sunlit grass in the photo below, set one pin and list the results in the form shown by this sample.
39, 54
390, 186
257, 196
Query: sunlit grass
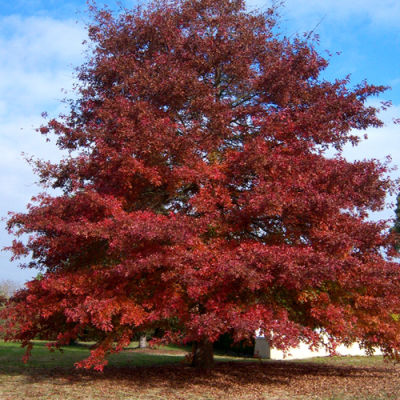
355, 361
11, 356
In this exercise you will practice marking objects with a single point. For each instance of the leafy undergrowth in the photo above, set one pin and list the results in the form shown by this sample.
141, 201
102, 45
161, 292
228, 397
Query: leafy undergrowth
157, 374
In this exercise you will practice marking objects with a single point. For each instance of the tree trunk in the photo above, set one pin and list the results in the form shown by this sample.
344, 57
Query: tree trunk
142, 342
203, 355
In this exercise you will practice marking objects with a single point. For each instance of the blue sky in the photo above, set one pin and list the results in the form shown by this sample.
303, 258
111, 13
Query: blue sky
41, 43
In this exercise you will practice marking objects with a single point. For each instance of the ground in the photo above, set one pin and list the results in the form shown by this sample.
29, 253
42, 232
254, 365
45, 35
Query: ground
162, 373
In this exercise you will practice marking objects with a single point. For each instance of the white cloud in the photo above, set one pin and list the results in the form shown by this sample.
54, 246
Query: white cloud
381, 143
37, 60
381, 12
41, 39
37, 57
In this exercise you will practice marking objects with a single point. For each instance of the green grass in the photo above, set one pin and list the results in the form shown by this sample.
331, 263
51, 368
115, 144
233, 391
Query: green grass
353, 361
11, 357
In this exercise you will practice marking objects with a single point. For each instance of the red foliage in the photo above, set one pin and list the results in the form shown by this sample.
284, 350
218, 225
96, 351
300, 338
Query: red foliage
199, 196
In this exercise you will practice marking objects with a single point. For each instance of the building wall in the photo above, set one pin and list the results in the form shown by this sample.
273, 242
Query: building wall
304, 352
263, 350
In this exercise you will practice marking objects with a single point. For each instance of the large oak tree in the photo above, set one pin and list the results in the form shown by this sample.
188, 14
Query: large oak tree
200, 194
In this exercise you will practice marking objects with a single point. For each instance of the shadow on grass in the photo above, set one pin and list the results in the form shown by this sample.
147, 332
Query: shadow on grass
176, 374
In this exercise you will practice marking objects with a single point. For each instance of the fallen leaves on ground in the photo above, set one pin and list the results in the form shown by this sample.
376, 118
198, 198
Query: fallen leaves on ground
275, 380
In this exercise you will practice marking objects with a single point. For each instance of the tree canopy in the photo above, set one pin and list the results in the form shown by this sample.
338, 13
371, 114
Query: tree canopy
200, 195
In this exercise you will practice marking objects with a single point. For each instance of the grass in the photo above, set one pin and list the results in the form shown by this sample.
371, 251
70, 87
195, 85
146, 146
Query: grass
353, 361
11, 355
162, 373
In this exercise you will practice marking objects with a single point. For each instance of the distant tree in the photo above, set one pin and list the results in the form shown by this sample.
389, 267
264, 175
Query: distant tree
8, 287
7, 290
198, 197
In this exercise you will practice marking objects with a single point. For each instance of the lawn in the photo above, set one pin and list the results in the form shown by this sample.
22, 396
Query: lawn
162, 373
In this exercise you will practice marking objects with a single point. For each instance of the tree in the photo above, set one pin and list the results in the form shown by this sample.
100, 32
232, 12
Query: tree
199, 197
8, 287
